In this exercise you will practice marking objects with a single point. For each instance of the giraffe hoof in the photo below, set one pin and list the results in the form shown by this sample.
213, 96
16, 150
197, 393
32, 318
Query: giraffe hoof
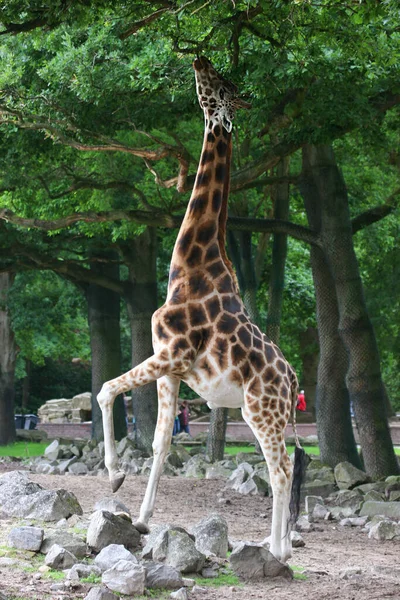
141, 527
117, 481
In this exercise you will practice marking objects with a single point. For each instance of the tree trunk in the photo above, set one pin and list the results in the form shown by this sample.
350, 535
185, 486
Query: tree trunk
141, 301
216, 434
26, 384
364, 381
309, 354
8, 354
240, 250
104, 326
279, 253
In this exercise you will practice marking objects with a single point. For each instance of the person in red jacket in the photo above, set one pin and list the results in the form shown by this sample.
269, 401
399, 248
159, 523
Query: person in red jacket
301, 401
184, 417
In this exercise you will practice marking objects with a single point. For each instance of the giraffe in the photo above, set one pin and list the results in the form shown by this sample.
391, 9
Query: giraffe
203, 335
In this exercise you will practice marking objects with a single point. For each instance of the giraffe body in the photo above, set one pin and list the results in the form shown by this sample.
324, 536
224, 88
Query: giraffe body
203, 336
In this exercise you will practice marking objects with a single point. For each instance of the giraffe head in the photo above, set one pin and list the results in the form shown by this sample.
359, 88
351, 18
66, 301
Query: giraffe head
217, 96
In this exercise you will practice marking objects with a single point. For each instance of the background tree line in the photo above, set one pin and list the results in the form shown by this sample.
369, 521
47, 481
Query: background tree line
99, 137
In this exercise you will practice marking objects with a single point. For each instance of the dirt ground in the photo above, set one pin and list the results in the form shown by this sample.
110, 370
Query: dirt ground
328, 551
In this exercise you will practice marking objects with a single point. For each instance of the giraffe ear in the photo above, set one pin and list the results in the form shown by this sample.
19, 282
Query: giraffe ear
227, 124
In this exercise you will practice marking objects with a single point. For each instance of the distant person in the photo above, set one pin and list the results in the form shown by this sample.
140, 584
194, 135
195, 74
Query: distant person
301, 401
184, 417
177, 426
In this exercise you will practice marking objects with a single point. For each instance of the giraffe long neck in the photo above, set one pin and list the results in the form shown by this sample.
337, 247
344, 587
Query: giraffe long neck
204, 224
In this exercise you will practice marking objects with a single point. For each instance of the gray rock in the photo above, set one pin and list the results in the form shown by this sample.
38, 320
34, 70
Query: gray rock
320, 513
112, 554
159, 576
180, 552
317, 488
106, 528
211, 536
81, 570
69, 541
297, 540
217, 472
311, 501
78, 468
303, 524
385, 530
156, 540
63, 465
112, 504
180, 594
353, 522
125, 444
378, 486
16, 483
125, 577
386, 509
348, 499
59, 558
240, 476
100, 593
350, 572
45, 505
374, 496
254, 561
53, 450
26, 538
347, 476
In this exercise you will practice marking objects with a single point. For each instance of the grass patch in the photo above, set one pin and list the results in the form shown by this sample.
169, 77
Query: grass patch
92, 578
233, 450
54, 575
298, 573
23, 449
222, 579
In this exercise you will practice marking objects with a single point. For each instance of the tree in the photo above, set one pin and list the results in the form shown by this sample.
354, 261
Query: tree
7, 365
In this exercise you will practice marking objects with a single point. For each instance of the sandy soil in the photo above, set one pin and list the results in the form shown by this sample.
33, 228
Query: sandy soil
328, 551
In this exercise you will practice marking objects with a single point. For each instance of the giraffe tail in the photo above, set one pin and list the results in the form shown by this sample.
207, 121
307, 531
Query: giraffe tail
300, 462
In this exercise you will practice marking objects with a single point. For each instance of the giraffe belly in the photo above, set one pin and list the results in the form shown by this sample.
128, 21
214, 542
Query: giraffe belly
219, 391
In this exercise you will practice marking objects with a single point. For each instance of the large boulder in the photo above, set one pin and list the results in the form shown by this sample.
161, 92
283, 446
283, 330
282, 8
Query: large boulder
112, 554
125, 577
181, 553
385, 530
44, 505
69, 541
106, 528
16, 483
347, 476
26, 538
59, 558
386, 509
254, 561
211, 536
159, 576
53, 450
112, 504
154, 541
100, 593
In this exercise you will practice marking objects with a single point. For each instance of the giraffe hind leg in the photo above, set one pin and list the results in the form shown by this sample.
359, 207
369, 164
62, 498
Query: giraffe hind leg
168, 389
147, 371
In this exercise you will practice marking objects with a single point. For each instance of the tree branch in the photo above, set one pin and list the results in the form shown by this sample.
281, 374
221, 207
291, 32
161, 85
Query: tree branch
375, 214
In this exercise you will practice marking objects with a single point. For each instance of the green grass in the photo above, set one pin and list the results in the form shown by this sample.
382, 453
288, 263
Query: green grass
233, 450
23, 449
92, 578
222, 579
298, 573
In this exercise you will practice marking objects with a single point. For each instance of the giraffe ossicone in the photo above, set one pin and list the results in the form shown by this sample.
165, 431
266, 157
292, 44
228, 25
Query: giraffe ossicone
203, 335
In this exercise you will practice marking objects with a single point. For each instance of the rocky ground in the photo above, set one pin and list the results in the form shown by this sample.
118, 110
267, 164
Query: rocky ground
340, 559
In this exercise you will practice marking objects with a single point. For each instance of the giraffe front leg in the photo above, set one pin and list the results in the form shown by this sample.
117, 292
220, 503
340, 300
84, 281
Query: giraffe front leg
168, 389
147, 371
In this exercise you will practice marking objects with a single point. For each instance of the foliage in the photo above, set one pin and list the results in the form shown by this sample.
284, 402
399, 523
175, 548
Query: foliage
23, 449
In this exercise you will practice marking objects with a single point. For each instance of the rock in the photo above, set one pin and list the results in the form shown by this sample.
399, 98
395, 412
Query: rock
26, 538
125, 577
311, 501
386, 509
240, 476
317, 488
78, 468
248, 488
187, 582
180, 552
348, 499
59, 558
45, 505
353, 522
106, 528
374, 496
180, 594
64, 465
378, 486
112, 554
303, 524
100, 593
81, 570
254, 561
112, 504
297, 540
385, 530
320, 513
69, 541
211, 536
125, 444
156, 539
347, 476
217, 472
324, 474
349, 572
53, 451
16, 483
159, 576
196, 466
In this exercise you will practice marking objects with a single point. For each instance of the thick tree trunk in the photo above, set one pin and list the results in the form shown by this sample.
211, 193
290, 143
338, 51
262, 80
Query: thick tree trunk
8, 355
216, 434
141, 301
309, 354
279, 253
104, 326
240, 250
364, 381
